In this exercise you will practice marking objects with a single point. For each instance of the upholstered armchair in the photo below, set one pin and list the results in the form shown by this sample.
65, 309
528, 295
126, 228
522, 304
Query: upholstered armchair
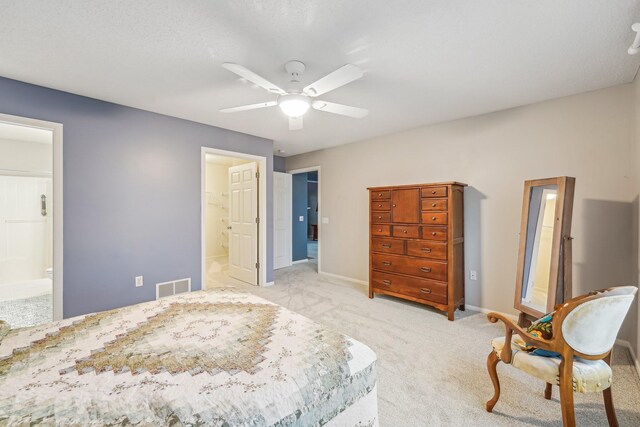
584, 331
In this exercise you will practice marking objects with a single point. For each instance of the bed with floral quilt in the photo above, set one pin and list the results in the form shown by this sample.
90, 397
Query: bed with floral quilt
221, 357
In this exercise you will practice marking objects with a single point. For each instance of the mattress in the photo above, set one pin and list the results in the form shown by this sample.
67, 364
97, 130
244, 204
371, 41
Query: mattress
220, 357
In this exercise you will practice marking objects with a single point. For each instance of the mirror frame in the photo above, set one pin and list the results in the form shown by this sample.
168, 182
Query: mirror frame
560, 272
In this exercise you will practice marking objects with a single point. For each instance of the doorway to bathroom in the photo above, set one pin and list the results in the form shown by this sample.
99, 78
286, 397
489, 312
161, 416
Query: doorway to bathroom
30, 232
232, 207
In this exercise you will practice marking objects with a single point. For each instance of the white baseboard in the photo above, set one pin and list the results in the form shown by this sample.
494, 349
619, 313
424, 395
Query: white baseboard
487, 310
625, 343
346, 279
266, 285
300, 261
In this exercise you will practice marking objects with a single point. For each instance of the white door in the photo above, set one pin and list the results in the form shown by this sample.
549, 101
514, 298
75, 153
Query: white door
243, 220
281, 220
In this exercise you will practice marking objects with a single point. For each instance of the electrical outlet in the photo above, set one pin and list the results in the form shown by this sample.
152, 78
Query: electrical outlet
325, 220
301, 218
139, 281
473, 275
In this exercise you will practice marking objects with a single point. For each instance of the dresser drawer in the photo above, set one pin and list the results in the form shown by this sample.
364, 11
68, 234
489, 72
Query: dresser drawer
380, 195
411, 286
434, 191
389, 246
427, 249
381, 230
438, 218
436, 270
434, 204
408, 231
434, 233
380, 217
380, 205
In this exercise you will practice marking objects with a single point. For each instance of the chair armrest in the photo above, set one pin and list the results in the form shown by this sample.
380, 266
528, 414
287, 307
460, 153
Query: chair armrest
510, 328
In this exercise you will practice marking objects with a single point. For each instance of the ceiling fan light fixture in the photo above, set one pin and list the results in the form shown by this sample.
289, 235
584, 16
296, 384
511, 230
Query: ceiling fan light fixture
294, 105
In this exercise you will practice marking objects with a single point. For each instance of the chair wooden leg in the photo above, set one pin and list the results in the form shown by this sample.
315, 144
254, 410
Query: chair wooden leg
492, 362
548, 391
608, 406
566, 391
608, 400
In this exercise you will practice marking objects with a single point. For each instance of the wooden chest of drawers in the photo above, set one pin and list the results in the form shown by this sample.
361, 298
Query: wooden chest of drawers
416, 244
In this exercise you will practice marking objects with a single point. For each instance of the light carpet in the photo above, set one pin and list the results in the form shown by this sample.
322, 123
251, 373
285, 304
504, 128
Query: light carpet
31, 311
432, 372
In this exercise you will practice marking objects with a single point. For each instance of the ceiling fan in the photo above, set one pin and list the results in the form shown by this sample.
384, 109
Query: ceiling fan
295, 101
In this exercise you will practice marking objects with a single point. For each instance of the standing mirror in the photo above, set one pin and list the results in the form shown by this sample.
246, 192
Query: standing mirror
544, 257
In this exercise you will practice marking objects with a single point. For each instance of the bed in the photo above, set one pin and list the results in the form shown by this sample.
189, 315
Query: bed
220, 357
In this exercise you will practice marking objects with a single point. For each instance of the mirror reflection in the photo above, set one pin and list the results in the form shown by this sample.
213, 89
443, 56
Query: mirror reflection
539, 243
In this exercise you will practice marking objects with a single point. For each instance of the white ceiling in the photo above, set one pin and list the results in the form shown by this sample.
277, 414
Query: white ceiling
425, 61
25, 133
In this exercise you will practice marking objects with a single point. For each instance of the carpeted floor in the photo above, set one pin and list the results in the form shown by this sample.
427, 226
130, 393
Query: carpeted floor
432, 372
27, 311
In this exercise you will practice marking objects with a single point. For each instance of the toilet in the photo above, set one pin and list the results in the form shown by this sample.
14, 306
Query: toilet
49, 272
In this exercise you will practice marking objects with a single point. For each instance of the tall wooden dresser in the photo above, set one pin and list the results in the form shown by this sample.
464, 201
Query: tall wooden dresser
416, 244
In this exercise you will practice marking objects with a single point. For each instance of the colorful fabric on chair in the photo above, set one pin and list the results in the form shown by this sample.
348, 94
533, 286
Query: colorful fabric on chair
542, 328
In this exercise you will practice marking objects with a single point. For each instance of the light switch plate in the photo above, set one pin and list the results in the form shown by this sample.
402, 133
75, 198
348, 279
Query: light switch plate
325, 220
301, 218
139, 281
473, 275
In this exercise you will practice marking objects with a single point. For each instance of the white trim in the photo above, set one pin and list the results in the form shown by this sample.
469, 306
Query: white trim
346, 279
266, 285
58, 236
300, 261
262, 210
488, 310
625, 343
320, 226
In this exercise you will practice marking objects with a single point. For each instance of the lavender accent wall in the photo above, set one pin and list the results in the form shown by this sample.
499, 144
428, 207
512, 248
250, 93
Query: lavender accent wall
131, 193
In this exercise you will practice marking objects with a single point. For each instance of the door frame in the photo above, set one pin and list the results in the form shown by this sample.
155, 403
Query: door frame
319, 170
262, 211
58, 236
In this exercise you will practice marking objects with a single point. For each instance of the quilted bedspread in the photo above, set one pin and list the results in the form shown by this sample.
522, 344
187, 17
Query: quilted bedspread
219, 357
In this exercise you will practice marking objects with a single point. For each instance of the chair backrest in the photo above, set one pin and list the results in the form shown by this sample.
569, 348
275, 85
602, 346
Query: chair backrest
591, 327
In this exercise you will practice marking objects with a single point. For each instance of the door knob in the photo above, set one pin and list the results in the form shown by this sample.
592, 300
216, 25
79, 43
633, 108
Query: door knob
228, 227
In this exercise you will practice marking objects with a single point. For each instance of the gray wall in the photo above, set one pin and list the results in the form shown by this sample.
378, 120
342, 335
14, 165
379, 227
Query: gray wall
299, 208
131, 193
279, 164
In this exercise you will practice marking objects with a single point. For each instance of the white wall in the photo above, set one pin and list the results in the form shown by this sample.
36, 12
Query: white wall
217, 210
26, 156
588, 136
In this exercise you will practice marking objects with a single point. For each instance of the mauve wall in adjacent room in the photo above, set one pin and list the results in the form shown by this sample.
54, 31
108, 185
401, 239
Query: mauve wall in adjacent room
279, 164
131, 193
299, 209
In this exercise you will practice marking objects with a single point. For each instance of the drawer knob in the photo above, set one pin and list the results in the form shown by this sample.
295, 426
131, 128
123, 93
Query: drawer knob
379, 229
425, 290
379, 206
404, 231
433, 218
380, 194
427, 250
433, 192
386, 263
433, 205
379, 217
386, 246
433, 233
425, 269
394, 205
386, 282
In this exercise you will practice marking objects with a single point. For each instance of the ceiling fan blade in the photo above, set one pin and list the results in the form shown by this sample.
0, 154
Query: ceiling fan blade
249, 107
253, 77
295, 123
340, 77
343, 110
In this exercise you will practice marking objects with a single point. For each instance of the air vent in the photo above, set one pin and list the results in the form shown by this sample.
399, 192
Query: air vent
167, 289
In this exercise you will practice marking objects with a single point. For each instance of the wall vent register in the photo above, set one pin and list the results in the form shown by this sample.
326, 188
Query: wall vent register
175, 287
416, 244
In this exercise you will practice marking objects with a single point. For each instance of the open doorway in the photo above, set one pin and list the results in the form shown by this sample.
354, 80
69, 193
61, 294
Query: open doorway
306, 217
30, 230
232, 206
